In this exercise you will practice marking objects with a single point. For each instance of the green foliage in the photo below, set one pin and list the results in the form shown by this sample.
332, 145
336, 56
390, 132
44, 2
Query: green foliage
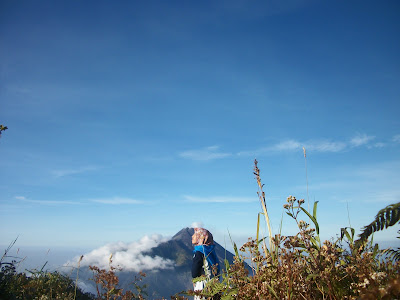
386, 217
392, 254
43, 285
302, 267
2, 128
39, 285
305, 268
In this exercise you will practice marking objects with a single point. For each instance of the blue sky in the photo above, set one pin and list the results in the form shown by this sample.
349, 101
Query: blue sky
130, 118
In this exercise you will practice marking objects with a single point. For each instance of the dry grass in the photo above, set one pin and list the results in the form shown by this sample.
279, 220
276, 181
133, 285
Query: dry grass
301, 267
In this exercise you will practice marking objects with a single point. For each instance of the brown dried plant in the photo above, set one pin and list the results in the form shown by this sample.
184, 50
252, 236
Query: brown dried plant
301, 267
107, 284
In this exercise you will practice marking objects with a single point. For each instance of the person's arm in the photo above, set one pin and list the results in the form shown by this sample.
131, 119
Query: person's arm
197, 265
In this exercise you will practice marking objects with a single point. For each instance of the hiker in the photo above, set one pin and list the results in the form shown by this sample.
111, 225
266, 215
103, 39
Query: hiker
205, 261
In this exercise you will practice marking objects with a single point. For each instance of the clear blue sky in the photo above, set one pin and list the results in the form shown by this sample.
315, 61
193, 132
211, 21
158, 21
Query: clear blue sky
129, 118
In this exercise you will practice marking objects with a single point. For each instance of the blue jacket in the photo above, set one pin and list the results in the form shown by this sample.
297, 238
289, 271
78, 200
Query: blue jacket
201, 252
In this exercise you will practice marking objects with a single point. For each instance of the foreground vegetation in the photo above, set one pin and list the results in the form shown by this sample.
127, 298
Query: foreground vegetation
290, 267
44, 285
303, 267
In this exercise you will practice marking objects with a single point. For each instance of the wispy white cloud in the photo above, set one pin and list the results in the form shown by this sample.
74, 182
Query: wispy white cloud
117, 201
288, 145
384, 196
374, 182
67, 172
218, 199
360, 140
377, 145
130, 257
396, 138
208, 153
293, 145
18, 90
47, 202
325, 146
322, 146
111, 201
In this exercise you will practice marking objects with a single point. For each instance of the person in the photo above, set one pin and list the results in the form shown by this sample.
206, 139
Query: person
205, 260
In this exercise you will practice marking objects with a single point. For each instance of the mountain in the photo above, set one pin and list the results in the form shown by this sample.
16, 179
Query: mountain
164, 282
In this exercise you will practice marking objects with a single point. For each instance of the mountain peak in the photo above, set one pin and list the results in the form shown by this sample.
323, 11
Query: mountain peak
184, 234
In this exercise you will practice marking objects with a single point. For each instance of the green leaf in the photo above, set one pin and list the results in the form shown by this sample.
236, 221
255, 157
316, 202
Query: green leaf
376, 249
273, 292
386, 217
312, 276
314, 220
289, 214
315, 242
315, 210
234, 246
226, 263
344, 232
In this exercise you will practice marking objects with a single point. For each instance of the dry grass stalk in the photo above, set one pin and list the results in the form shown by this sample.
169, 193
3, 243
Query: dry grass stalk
261, 196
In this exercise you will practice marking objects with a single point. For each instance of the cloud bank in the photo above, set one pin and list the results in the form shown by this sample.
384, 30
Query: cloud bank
129, 257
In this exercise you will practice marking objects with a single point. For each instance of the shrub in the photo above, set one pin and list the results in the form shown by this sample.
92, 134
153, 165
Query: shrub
40, 285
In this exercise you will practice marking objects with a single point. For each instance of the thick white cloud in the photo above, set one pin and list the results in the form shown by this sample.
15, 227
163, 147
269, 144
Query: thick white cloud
129, 257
